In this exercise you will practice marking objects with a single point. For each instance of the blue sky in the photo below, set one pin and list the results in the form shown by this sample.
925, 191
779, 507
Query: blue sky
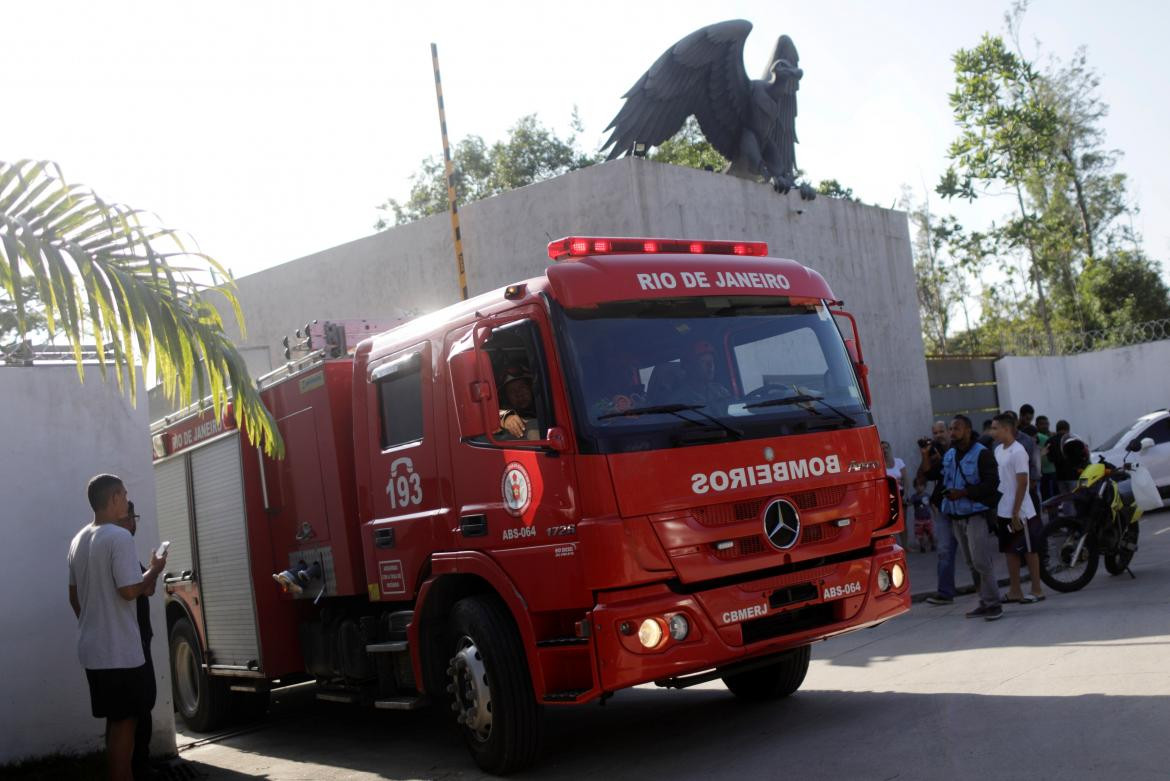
269, 130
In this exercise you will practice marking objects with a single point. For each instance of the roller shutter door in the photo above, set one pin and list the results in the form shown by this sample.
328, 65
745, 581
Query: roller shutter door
225, 582
170, 485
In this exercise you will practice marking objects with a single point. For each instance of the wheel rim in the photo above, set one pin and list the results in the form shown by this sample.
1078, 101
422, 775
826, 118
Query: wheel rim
1068, 553
186, 678
469, 685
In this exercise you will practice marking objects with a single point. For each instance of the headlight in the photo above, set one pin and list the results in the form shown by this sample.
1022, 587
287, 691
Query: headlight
679, 627
883, 580
897, 575
650, 633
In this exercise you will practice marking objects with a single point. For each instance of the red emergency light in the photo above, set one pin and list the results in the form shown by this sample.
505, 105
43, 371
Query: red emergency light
580, 246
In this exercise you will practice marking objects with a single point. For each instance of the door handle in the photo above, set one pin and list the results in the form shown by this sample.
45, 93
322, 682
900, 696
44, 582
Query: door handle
473, 526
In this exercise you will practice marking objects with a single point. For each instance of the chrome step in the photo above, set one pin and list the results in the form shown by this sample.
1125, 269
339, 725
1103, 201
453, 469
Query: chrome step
394, 646
401, 703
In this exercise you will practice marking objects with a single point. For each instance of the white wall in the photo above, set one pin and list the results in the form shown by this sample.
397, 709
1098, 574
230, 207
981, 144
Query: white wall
55, 434
1098, 393
863, 251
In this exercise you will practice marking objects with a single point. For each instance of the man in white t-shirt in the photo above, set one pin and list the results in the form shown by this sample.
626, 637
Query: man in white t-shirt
1017, 524
104, 583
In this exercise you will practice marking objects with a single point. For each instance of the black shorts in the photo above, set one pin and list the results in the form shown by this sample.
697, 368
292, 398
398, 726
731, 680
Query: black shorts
1021, 542
120, 693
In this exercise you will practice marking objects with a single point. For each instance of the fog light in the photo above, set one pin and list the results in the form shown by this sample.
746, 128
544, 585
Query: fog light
883, 580
897, 575
679, 627
650, 633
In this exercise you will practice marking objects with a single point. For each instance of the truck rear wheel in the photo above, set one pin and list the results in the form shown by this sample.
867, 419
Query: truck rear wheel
201, 700
774, 681
490, 687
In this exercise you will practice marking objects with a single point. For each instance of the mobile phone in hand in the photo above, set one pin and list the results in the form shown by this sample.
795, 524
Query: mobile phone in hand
162, 549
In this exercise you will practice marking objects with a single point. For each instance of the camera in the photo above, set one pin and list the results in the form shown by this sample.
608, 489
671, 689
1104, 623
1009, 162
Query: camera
923, 442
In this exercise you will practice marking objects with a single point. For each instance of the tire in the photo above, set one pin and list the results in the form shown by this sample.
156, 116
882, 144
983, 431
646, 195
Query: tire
201, 700
488, 663
773, 682
1061, 539
1115, 564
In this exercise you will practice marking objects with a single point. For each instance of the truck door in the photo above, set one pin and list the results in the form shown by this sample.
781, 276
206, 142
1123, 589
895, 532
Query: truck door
517, 492
405, 492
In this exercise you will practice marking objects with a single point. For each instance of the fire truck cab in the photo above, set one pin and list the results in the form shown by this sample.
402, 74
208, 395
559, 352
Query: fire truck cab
656, 463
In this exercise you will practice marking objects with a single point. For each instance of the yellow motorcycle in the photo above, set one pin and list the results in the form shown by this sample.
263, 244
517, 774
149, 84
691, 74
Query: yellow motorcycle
1097, 519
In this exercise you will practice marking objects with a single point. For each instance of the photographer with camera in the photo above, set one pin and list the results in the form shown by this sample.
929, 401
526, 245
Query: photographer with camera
932, 450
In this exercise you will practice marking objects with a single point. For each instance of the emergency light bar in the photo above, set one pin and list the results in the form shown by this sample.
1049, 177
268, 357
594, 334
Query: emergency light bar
579, 246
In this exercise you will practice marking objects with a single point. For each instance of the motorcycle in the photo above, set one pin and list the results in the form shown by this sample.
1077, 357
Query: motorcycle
1098, 519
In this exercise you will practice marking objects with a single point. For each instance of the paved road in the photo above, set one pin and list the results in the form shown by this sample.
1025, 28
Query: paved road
1076, 687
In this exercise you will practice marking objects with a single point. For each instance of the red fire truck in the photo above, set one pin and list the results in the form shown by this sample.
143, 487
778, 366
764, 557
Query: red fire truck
656, 463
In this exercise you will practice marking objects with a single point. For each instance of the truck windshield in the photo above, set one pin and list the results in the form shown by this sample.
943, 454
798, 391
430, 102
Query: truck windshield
671, 373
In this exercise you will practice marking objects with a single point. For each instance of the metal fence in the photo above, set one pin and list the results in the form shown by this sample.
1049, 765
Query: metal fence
1074, 342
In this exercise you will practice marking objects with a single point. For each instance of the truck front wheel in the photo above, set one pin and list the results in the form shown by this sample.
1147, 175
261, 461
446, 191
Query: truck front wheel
773, 681
490, 688
201, 700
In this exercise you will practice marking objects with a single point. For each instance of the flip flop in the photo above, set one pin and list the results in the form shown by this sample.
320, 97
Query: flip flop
1008, 600
1029, 599
1037, 598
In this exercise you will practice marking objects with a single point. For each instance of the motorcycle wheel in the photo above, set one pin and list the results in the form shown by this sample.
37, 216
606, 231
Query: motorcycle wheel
1117, 563
1070, 555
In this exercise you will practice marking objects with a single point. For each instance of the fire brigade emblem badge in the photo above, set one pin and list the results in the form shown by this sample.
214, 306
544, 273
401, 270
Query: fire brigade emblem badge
517, 490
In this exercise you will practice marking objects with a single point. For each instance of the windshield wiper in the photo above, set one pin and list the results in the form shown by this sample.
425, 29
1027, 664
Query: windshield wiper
665, 409
676, 409
802, 398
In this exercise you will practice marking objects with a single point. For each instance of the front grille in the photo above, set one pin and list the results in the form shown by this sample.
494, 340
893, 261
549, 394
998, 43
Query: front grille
744, 546
787, 623
732, 512
821, 497
822, 532
735, 512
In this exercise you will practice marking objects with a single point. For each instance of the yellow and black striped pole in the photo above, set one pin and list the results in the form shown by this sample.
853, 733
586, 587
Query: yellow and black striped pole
450, 169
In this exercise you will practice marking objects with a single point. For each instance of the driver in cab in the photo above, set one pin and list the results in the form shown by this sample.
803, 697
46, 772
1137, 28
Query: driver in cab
698, 384
518, 407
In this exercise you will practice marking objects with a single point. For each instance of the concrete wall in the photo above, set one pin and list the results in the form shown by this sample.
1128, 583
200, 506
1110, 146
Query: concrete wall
55, 434
863, 251
1098, 393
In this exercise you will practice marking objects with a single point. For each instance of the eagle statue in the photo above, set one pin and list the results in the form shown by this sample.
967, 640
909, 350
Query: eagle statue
751, 122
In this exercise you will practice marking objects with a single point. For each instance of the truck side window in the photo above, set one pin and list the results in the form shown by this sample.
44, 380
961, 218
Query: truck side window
400, 403
521, 378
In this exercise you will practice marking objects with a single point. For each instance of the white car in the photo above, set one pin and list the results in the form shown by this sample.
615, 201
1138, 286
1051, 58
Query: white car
1156, 426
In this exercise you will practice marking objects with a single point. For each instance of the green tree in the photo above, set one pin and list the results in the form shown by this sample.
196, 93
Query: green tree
104, 272
1006, 137
34, 319
831, 188
530, 153
689, 147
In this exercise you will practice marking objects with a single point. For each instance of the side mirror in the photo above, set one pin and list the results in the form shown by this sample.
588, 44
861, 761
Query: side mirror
1146, 444
474, 392
1134, 446
557, 440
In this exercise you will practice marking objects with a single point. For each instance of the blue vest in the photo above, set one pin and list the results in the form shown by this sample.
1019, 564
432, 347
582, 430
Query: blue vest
962, 475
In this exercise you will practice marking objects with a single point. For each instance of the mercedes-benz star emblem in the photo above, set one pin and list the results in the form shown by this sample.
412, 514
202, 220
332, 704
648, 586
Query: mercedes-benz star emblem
781, 524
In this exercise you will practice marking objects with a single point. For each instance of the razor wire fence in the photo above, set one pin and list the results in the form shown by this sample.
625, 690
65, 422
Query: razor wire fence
1076, 342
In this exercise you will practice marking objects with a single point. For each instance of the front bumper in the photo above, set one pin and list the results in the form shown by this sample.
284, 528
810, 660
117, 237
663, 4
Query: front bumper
736, 622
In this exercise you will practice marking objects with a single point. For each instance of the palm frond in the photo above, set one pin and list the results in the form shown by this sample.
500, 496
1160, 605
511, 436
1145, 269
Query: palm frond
109, 270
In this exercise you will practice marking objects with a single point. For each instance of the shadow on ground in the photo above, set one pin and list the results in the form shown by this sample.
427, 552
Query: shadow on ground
706, 733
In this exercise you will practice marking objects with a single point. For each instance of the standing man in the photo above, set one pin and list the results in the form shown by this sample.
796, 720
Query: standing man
970, 479
1047, 467
104, 583
1018, 525
1027, 413
140, 762
948, 542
